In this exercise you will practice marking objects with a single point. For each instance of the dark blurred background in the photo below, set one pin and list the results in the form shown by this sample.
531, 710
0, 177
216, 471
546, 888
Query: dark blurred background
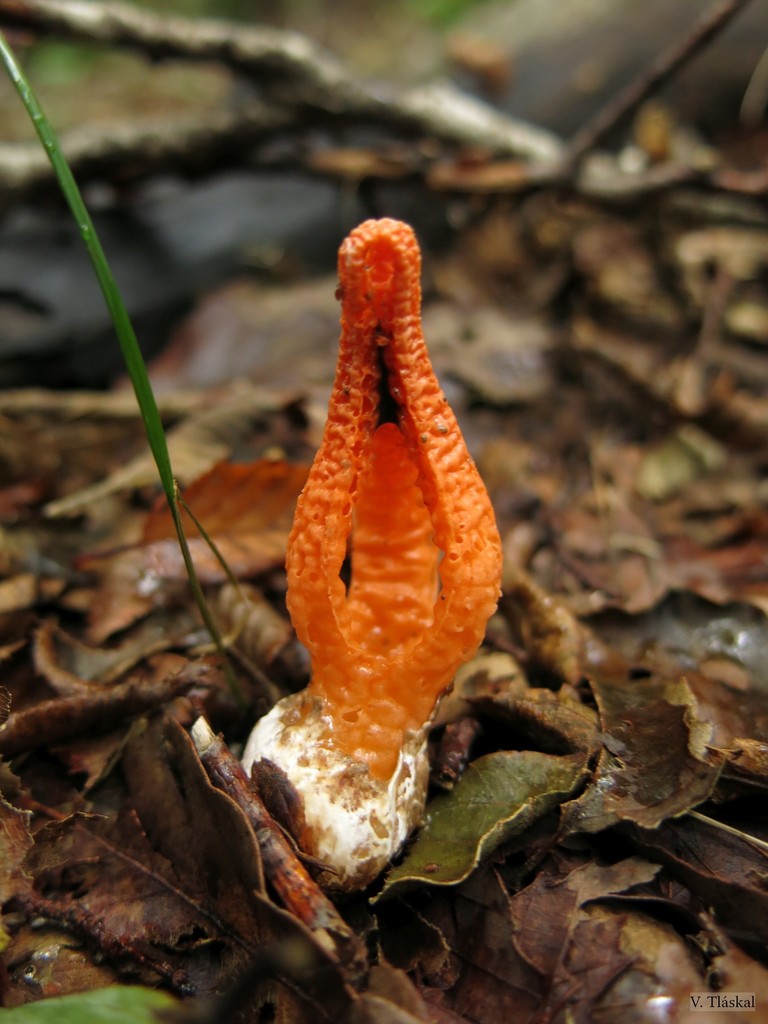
173, 237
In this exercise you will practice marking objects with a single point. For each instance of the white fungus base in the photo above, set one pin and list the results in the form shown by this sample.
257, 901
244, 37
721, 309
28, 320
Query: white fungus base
354, 823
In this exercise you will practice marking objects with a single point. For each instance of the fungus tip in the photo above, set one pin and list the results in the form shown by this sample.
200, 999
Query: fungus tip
394, 490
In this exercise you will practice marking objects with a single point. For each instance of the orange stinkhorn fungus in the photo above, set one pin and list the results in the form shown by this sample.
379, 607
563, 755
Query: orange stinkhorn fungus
393, 480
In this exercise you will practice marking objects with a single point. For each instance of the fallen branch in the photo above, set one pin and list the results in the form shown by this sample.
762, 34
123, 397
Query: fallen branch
129, 151
299, 893
300, 82
289, 69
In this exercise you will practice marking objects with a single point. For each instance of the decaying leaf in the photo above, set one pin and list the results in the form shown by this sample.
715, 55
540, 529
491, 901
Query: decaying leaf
71, 667
549, 632
410, 941
721, 650
543, 913
196, 445
245, 509
604, 854
234, 498
15, 843
502, 358
18, 592
749, 761
493, 677
485, 977
498, 797
730, 970
655, 762
160, 563
256, 331
723, 867
391, 998
493, 686
591, 955
96, 870
100, 709
584, 940
258, 632
47, 961
689, 630
682, 458
172, 886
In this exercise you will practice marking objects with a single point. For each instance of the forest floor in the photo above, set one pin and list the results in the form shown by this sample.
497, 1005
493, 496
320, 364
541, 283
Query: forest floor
596, 844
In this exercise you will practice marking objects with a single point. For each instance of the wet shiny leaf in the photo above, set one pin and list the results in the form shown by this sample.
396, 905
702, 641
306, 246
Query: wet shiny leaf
498, 797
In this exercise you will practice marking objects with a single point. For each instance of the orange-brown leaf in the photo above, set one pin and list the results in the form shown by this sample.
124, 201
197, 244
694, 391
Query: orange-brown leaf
234, 498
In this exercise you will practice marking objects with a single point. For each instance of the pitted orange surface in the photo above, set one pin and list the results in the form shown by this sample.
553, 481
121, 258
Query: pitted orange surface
393, 482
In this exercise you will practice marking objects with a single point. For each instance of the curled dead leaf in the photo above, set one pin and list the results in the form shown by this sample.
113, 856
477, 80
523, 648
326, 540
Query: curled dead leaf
655, 762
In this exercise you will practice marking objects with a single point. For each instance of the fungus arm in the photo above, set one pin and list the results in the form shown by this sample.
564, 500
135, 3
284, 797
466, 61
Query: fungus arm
394, 483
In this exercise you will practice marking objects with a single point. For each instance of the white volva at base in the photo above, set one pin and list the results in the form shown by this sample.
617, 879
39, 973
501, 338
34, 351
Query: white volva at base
355, 823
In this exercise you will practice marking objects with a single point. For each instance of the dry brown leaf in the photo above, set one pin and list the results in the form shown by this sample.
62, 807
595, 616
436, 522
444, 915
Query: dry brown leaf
91, 758
63, 718
391, 998
15, 843
195, 446
233, 498
109, 870
71, 667
749, 760
721, 866
548, 631
171, 887
503, 359
18, 592
655, 762
489, 980
245, 509
493, 686
48, 961
155, 565
279, 337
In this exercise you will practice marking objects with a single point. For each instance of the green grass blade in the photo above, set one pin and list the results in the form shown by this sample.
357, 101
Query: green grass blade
208, 540
134, 360
132, 356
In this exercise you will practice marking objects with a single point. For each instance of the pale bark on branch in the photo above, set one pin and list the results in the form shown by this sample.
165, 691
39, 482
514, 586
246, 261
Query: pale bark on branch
297, 86
289, 69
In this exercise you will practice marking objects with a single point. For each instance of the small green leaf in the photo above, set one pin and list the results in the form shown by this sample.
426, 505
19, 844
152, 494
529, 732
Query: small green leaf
500, 795
118, 1004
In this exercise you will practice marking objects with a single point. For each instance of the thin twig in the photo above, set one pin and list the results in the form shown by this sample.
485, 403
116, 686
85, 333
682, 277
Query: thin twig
299, 893
759, 844
298, 80
668, 64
